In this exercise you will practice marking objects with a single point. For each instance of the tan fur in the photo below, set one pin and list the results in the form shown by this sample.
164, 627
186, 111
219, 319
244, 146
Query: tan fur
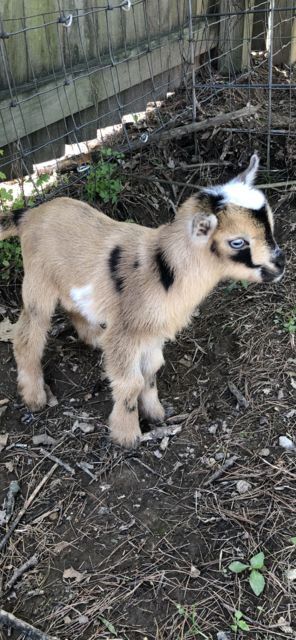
66, 247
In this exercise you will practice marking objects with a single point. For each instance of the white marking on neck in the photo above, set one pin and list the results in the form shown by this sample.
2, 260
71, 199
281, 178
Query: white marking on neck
83, 299
240, 194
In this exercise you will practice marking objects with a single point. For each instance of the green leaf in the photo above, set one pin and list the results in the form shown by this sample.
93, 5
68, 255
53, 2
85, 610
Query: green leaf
242, 624
109, 626
257, 582
233, 627
238, 614
293, 540
257, 561
237, 567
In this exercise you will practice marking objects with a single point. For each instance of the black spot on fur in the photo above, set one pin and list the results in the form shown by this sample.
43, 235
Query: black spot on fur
18, 216
114, 264
129, 407
244, 256
103, 325
152, 383
136, 264
166, 273
261, 216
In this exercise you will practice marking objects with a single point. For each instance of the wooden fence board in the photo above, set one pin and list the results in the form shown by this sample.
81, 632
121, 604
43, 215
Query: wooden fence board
33, 112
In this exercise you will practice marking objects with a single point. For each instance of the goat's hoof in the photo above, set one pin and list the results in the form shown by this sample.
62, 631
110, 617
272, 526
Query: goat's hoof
37, 402
126, 440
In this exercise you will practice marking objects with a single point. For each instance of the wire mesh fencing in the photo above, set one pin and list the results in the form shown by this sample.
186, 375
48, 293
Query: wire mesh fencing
71, 76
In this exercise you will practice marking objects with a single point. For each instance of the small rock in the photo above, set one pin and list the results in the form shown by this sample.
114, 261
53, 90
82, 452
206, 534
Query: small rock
263, 420
3, 440
284, 626
157, 454
219, 456
194, 572
2, 410
83, 619
44, 438
280, 394
242, 486
213, 429
291, 574
67, 620
287, 443
222, 635
264, 452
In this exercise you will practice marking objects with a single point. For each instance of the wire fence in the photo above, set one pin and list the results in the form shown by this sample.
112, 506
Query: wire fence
69, 74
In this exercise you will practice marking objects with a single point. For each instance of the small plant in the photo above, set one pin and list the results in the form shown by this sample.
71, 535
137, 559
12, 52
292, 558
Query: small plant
237, 285
102, 180
256, 578
286, 319
10, 257
108, 625
239, 622
189, 616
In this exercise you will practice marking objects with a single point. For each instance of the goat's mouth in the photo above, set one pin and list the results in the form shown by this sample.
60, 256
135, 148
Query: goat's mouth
271, 276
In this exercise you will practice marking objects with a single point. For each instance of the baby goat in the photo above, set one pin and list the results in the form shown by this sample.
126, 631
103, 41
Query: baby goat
130, 288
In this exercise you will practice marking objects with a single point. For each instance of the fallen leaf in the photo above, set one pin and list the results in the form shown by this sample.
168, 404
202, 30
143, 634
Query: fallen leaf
4, 401
3, 440
72, 574
9, 466
6, 330
284, 625
60, 546
85, 427
242, 486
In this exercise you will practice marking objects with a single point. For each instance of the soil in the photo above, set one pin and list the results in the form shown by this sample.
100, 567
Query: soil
137, 544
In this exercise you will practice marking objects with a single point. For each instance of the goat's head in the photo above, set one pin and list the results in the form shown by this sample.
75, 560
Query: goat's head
239, 233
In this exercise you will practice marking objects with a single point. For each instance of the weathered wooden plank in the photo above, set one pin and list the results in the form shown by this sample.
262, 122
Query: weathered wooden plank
231, 36
284, 33
260, 25
32, 112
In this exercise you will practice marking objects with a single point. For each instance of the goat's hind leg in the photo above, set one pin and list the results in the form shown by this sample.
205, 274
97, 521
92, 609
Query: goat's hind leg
29, 341
88, 333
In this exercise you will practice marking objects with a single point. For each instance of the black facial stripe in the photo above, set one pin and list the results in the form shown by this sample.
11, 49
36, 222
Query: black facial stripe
244, 256
114, 263
261, 216
166, 273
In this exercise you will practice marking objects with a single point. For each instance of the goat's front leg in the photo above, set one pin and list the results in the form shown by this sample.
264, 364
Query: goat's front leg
124, 372
149, 404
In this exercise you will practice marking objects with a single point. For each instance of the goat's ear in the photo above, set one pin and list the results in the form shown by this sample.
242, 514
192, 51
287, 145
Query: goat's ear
203, 226
248, 176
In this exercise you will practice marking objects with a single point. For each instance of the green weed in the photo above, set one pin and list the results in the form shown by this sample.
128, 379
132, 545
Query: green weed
188, 614
103, 180
239, 622
286, 319
255, 566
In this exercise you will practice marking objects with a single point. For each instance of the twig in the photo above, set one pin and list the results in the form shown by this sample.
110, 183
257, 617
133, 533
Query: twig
26, 506
193, 127
227, 464
54, 458
160, 432
84, 467
9, 620
29, 564
241, 400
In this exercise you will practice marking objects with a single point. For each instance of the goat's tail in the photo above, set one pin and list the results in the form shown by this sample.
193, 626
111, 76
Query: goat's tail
7, 227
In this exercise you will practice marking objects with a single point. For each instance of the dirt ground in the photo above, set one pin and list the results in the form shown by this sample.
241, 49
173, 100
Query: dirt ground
137, 544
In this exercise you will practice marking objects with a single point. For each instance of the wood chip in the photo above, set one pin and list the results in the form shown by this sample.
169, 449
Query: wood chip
72, 574
161, 432
241, 400
6, 330
3, 440
44, 438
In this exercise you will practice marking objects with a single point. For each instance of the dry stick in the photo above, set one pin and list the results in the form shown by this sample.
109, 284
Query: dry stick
26, 506
228, 463
29, 564
9, 620
60, 462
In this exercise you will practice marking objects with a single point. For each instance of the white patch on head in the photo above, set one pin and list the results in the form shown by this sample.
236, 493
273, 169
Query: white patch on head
238, 193
83, 299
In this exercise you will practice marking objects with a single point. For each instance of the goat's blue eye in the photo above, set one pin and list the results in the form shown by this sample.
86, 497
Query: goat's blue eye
238, 243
